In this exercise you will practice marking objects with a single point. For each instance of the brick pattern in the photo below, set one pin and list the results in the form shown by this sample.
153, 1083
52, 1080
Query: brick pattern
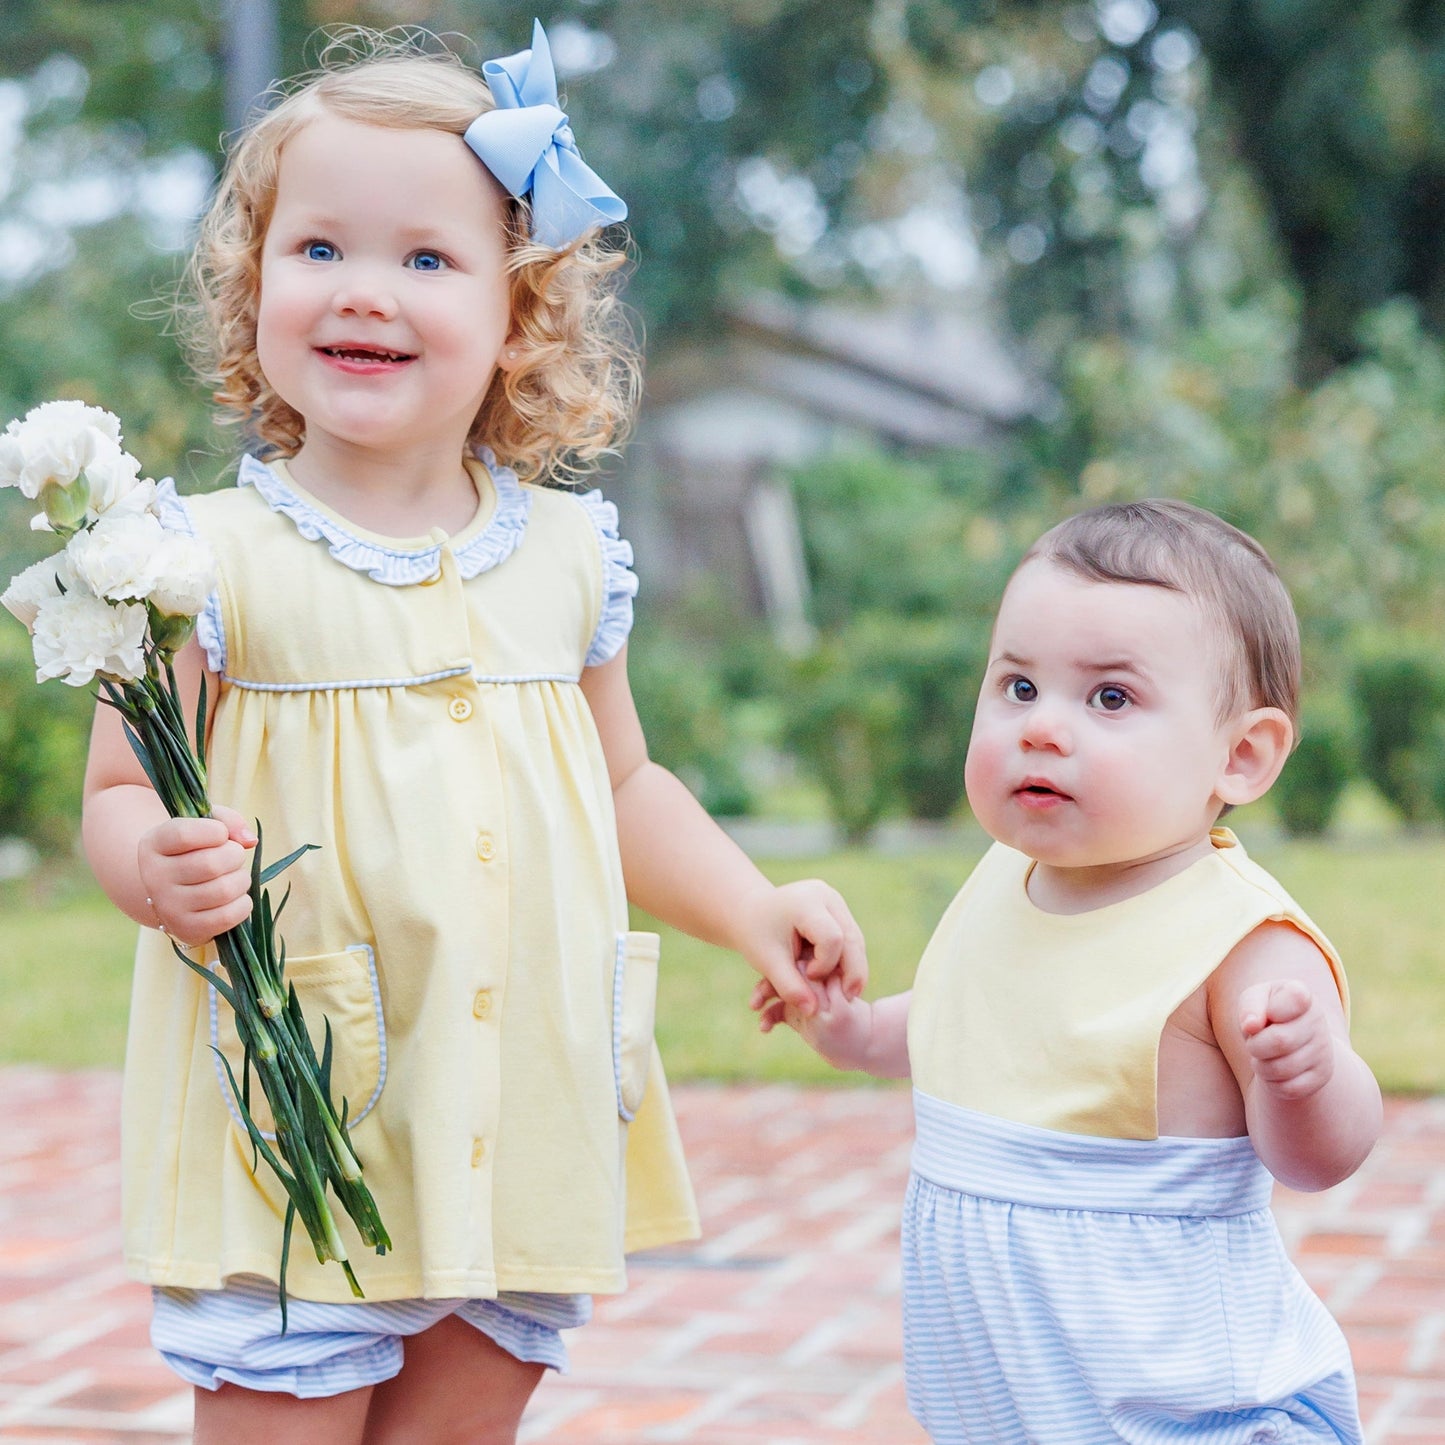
781, 1326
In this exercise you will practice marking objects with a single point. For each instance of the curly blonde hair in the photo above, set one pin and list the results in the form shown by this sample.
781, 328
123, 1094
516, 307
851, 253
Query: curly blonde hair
570, 399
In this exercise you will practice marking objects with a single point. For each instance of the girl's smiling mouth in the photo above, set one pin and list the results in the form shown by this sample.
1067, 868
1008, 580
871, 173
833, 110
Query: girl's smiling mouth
353, 357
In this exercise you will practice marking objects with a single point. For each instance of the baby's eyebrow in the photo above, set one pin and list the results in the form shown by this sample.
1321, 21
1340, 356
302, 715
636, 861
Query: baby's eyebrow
1122, 664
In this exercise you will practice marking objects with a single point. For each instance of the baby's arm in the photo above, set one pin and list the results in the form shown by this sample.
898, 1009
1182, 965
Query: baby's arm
1311, 1103
191, 875
849, 1033
682, 868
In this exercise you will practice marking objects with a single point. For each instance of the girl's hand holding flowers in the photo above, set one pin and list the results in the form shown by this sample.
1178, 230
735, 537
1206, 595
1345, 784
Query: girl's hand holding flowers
116, 605
197, 874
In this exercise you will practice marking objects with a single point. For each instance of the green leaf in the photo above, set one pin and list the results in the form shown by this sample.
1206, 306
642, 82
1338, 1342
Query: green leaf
210, 975
326, 1062
144, 758
285, 1258
288, 1181
351, 1276
280, 867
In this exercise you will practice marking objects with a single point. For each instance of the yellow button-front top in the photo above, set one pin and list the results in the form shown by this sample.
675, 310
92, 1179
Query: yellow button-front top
479, 1151
486, 847
460, 709
482, 1003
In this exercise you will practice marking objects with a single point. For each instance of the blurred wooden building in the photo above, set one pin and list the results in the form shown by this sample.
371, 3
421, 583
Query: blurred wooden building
702, 490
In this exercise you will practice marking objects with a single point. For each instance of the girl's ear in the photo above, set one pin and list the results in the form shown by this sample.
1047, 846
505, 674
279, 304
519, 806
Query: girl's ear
1262, 740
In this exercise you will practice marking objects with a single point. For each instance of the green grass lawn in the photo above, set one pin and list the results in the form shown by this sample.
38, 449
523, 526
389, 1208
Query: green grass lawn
65, 958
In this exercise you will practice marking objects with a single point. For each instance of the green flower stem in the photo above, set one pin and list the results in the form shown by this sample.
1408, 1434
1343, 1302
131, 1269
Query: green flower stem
314, 1152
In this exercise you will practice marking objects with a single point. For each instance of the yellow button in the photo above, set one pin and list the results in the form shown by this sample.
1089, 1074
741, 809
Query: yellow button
486, 847
433, 579
460, 709
479, 1151
482, 1003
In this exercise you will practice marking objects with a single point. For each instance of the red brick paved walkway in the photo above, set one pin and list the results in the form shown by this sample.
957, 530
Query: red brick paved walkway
780, 1327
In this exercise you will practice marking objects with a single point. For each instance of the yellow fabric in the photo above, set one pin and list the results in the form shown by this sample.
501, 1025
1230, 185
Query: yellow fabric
1055, 1019
463, 924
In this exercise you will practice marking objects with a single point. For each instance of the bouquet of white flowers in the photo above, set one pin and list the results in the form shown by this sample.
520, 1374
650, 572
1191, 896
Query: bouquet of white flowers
116, 605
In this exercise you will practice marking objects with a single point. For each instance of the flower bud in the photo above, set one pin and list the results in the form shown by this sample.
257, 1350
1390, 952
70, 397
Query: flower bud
169, 631
65, 506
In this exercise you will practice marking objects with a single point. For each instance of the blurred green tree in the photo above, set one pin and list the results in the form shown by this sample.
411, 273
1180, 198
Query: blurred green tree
906, 561
1099, 142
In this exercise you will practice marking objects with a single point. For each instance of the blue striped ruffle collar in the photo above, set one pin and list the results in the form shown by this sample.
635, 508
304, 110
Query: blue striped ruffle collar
391, 565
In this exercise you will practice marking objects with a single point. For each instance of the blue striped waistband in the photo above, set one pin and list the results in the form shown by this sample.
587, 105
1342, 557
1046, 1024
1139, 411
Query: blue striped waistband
978, 1154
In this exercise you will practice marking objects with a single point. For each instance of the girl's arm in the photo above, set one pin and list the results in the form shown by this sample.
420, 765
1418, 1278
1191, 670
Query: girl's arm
848, 1033
682, 868
190, 876
1312, 1105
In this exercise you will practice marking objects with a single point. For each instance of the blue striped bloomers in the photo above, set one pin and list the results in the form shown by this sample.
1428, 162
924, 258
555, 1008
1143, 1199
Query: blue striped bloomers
212, 1337
1061, 1289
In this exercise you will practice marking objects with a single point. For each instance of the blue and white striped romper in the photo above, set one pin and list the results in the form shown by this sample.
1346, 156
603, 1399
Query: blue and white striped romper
1062, 1287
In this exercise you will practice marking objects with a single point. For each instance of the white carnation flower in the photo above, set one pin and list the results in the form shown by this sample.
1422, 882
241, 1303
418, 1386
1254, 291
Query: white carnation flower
119, 558
53, 444
186, 576
141, 497
38, 584
77, 636
113, 475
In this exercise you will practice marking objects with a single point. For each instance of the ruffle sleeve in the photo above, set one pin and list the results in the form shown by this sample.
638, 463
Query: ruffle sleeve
210, 632
619, 581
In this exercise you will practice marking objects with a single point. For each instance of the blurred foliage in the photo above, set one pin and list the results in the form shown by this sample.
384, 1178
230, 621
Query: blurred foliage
43, 737
1399, 693
906, 561
1308, 791
1093, 136
85, 339
691, 719
1340, 481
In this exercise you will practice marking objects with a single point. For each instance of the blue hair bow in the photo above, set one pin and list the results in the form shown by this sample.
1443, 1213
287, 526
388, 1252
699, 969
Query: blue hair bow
528, 146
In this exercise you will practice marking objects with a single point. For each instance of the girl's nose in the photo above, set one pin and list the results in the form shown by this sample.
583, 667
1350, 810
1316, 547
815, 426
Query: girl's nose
362, 295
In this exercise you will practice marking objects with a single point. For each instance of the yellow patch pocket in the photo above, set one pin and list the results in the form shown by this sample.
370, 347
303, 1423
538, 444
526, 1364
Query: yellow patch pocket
339, 988
634, 1012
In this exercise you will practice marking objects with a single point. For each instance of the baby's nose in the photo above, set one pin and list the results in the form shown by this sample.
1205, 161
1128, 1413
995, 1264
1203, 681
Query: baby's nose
1045, 726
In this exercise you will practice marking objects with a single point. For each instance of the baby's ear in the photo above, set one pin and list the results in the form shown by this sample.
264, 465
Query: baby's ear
1260, 743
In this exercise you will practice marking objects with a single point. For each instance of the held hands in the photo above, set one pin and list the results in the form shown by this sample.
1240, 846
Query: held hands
197, 874
1288, 1037
800, 934
840, 1031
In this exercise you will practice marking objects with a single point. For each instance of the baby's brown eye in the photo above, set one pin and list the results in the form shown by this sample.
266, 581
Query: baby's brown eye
1111, 699
1020, 689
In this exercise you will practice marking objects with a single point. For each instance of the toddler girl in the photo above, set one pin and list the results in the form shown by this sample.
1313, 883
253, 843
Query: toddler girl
1122, 1027
416, 658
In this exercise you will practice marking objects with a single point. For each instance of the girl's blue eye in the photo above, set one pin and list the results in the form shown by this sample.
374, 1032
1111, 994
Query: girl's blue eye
321, 251
427, 261
1110, 698
1020, 689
